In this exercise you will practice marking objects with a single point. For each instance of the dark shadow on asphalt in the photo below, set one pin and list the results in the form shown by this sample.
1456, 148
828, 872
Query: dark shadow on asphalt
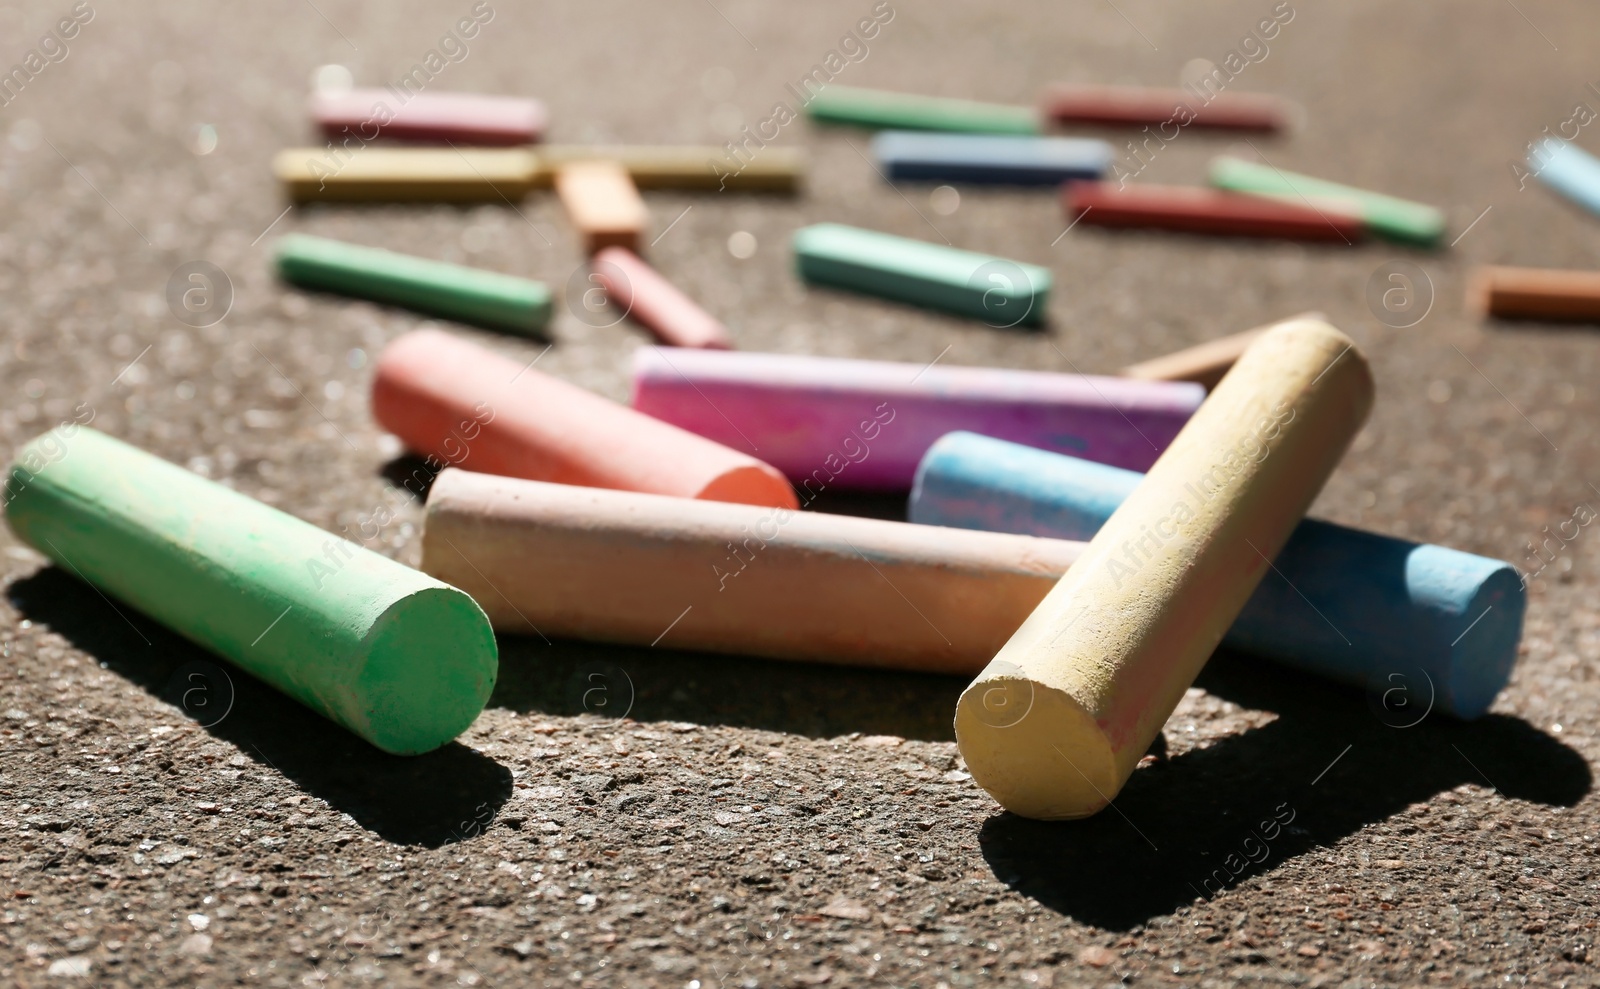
1193, 825
1187, 826
817, 700
448, 795
410, 473
865, 504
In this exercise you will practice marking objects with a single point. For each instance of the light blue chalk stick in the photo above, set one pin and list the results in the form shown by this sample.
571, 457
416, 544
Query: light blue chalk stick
1423, 627
988, 158
1569, 170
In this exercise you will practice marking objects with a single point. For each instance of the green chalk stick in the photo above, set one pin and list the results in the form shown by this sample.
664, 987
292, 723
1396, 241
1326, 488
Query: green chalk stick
1388, 217
397, 657
995, 290
471, 295
906, 111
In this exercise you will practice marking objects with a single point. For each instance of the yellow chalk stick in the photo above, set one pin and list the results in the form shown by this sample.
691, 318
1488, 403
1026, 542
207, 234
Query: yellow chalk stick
689, 167
1056, 723
406, 174
399, 174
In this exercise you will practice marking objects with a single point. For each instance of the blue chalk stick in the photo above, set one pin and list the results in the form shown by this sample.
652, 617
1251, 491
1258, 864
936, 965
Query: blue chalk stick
988, 158
1423, 626
1568, 170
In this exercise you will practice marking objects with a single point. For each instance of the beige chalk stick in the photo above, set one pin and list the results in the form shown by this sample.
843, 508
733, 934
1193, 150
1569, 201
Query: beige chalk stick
643, 569
603, 204
1535, 293
688, 166
1204, 363
382, 174
1054, 726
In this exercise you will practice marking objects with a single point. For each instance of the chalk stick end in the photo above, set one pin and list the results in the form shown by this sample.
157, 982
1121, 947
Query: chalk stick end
1034, 748
1483, 653
431, 664
756, 484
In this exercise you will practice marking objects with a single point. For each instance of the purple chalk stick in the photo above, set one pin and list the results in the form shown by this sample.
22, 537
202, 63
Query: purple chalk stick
832, 422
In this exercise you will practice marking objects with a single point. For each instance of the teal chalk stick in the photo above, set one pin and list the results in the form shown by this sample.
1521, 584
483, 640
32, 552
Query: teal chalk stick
470, 295
880, 109
1386, 216
998, 291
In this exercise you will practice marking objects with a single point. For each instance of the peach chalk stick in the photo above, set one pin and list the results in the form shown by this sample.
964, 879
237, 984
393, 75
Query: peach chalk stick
603, 204
465, 405
655, 303
1204, 363
640, 569
1055, 724
1535, 293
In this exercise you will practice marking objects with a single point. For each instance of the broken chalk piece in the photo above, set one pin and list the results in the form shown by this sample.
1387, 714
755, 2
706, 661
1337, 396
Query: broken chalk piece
1385, 216
637, 290
1137, 105
1000, 292
996, 159
378, 174
1388, 615
877, 108
1204, 363
1056, 723
471, 295
853, 424
1569, 170
465, 118
641, 569
1205, 211
603, 204
1535, 293
395, 656
467, 406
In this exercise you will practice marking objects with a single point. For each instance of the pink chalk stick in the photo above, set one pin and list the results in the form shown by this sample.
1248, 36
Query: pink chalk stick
655, 303
428, 116
828, 422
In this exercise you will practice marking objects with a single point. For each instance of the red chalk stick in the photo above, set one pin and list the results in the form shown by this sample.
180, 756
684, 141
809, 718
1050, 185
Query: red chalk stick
470, 407
1208, 211
1135, 106
468, 118
655, 303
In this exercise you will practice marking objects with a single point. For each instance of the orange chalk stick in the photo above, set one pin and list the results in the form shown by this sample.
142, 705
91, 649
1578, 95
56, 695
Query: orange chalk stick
1535, 293
468, 406
603, 204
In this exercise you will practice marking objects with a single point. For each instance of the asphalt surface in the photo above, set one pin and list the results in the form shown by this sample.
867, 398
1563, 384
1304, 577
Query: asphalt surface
167, 820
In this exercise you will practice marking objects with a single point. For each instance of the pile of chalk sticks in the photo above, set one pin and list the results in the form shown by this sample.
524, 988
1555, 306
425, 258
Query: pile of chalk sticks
1078, 544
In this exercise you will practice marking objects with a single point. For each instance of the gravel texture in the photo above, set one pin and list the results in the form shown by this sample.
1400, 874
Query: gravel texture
645, 817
